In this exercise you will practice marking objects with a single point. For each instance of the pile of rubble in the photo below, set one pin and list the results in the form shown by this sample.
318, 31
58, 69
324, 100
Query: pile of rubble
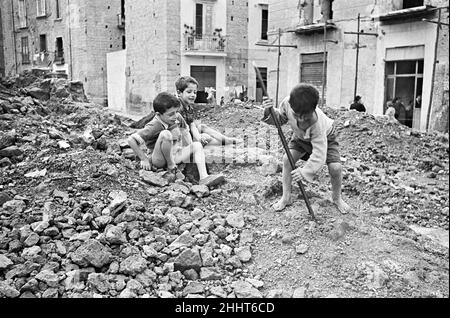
78, 219
402, 170
29, 93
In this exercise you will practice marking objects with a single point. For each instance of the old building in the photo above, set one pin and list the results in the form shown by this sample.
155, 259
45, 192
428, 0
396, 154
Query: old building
70, 36
394, 52
207, 39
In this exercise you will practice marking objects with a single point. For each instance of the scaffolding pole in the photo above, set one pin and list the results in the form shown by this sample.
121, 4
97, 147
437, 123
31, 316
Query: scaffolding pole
358, 33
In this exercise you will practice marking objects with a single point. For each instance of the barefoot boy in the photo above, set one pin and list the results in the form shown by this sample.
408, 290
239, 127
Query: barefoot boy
187, 91
314, 140
167, 138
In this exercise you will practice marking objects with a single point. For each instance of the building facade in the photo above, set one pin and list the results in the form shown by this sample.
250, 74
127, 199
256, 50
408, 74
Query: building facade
70, 36
398, 53
207, 39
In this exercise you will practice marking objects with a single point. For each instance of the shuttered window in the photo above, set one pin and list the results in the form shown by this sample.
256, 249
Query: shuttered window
312, 70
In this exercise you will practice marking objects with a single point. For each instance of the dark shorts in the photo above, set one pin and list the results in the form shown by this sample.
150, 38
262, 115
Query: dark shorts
305, 147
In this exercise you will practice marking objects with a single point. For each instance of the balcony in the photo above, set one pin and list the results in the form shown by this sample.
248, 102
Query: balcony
313, 28
205, 45
120, 21
405, 15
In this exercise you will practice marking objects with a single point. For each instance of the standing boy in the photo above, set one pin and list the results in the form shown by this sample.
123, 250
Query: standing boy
169, 142
187, 91
314, 140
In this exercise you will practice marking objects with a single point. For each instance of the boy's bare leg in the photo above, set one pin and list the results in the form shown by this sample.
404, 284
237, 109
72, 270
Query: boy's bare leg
162, 154
287, 181
199, 157
218, 136
335, 170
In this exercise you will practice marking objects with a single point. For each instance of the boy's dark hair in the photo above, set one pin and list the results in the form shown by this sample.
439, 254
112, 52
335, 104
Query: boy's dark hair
183, 82
164, 101
303, 98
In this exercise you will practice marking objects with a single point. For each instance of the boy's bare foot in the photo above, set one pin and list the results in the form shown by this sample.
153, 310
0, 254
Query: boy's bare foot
342, 206
281, 204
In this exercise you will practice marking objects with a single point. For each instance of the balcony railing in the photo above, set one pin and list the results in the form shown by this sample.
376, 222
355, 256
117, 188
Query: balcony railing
120, 21
205, 43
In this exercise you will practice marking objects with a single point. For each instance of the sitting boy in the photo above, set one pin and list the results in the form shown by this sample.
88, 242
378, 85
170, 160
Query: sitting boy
314, 140
187, 91
169, 142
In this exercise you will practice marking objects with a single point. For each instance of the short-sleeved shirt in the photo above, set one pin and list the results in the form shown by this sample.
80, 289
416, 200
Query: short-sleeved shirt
150, 133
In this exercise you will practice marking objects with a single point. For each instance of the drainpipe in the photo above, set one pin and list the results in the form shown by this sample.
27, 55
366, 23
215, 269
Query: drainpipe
70, 41
14, 35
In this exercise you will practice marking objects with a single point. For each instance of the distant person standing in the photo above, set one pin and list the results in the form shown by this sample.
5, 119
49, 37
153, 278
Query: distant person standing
357, 104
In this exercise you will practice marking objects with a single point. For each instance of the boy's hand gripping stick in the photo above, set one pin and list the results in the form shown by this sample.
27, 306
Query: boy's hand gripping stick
284, 142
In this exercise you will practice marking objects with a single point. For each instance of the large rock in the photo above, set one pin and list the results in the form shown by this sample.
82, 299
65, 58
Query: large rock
210, 273
236, 220
175, 198
7, 139
154, 178
39, 93
133, 265
5, 262
438, 236
245, 290
243, 253
6, 290
188, 259
14, 206
200, 190
118, 198
11, 151
92, 253
48, 277
184, 240
99, 281
115, 235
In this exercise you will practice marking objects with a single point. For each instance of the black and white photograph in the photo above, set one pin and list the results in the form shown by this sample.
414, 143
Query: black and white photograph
224, 156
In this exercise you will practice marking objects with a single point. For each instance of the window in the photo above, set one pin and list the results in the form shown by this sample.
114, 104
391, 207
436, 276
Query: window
42, 43
22, 14
58, 10
124, 43
25, 51
199, 20
412, 3
264, 23
40, 8
122, 9
404, 80
59, 51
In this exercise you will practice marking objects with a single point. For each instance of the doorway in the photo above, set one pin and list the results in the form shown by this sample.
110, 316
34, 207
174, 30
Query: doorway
206, 77
259, 88
404, 80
